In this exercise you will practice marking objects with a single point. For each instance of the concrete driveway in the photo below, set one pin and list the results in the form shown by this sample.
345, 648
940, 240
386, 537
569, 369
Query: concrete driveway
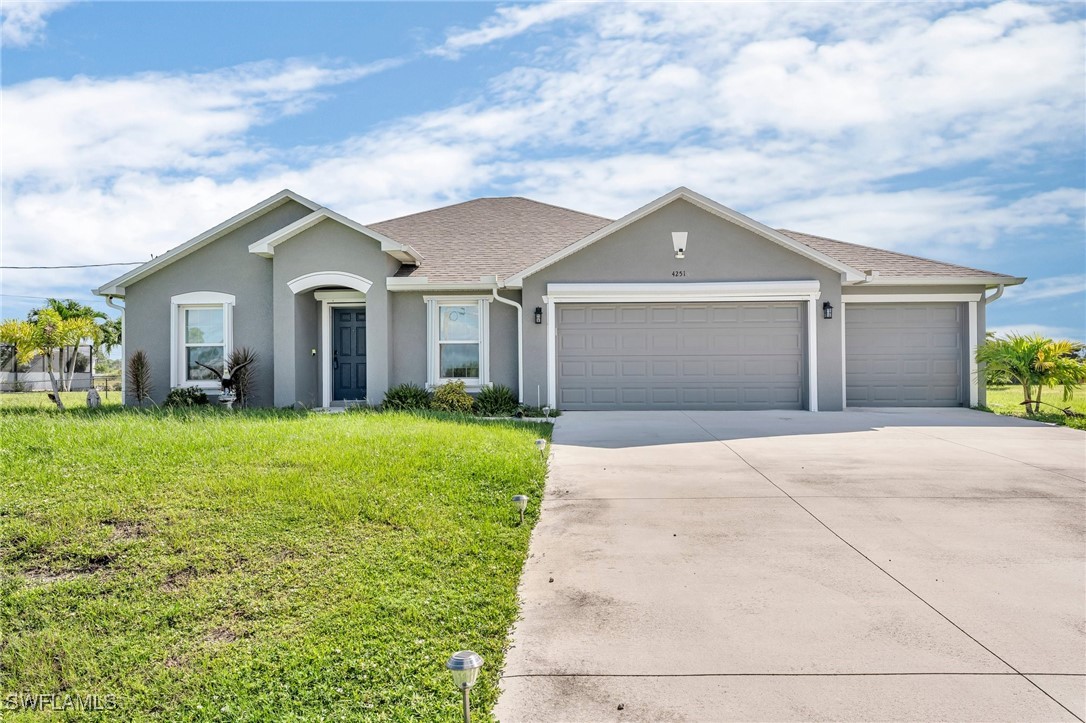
865, 565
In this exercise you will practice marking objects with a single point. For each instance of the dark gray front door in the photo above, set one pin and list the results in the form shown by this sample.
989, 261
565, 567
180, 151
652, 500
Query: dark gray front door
746, 355
905, 355
349, 353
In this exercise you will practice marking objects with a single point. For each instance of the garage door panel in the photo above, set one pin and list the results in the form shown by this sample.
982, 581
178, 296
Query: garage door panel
904, 354
697, 356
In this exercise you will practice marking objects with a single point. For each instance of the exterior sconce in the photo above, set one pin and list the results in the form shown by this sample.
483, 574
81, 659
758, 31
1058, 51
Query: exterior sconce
539, 314
678, 240
827, 310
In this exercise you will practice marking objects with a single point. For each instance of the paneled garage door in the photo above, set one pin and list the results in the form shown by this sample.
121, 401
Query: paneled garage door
904, 355
680, 356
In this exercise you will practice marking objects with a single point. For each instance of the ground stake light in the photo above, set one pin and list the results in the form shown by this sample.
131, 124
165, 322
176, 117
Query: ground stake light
464, 666
521, 502
541, 445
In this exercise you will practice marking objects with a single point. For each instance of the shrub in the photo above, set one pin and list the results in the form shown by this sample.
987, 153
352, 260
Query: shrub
496, 401
186, 397
139, 376
451, 397
406, 396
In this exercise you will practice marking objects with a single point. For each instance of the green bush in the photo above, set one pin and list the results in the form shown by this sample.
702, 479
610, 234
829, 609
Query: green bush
186, 397
406, 396
496, 401
451, 397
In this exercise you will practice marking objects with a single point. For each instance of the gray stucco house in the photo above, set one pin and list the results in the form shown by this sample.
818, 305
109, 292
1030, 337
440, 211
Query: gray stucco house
681, 304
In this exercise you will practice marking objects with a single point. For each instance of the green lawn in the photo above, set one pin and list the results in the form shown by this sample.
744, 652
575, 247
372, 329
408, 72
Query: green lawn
1006, 400
259, 565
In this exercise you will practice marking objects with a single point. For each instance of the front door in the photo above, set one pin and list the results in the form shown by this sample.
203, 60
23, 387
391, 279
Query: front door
348, 353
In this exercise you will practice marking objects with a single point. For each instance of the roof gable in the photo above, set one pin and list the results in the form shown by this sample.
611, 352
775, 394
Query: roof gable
116, 286
704, 203
266, 246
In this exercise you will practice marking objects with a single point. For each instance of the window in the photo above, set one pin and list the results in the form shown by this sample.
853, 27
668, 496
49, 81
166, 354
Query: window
458, 331
204, 342
202, 326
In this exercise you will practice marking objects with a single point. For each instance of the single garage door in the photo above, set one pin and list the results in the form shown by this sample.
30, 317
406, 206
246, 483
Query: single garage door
904, 355
680, 356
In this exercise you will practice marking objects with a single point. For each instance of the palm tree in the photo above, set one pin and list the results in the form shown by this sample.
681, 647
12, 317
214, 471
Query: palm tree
68, 310
1033, 361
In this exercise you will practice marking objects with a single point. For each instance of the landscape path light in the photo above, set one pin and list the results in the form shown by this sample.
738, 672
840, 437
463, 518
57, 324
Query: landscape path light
522, 504
464, 666
541, 445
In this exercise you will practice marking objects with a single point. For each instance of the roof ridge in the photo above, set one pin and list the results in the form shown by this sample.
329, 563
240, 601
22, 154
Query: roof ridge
887, 251
560, 208
489, 198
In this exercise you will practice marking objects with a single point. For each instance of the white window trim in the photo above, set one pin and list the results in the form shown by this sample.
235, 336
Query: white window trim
433, 378
197, 299
805, 290
970, 300
331, 300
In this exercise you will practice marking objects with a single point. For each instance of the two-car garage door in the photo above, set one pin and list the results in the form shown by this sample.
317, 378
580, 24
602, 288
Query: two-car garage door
726, 355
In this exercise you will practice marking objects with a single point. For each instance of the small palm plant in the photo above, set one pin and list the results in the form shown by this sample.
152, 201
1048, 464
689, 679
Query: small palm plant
1033, 361
139, 376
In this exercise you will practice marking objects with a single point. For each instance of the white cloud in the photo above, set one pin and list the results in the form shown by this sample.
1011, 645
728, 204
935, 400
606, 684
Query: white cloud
507, 22
22, 22
63, 131
1028, 329
1052, 287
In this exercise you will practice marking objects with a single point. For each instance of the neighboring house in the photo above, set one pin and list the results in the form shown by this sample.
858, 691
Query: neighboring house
681, 304
33, 377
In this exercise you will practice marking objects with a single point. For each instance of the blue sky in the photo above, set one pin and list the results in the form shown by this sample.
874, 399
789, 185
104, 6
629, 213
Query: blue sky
950, 131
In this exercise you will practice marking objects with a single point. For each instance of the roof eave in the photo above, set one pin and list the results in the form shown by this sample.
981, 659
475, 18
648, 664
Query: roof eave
988, 281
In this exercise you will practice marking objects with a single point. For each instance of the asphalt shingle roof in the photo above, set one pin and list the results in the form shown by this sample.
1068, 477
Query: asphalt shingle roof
504, 236
500, 236
887, 263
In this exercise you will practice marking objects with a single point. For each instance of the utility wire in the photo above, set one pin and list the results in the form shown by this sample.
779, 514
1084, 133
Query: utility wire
76, 266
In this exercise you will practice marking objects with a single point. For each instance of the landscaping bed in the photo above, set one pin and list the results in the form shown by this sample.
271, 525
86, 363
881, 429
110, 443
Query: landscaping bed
1006, 400
255, 565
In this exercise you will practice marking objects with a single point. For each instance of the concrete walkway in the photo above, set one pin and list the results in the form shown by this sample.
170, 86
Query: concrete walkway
867, 565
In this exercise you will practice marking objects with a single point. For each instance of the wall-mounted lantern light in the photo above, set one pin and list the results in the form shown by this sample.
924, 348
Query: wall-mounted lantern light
539, 314
827, 310
678, 240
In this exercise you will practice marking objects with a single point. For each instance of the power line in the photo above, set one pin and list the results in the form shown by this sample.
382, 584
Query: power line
76, 266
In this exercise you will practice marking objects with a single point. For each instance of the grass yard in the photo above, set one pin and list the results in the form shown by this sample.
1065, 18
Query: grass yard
203, 565
1006, 400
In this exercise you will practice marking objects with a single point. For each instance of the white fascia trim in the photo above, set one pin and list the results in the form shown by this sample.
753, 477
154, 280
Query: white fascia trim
266, 246
116, 287
683, 292
421, 283
907, 298
938, 281
315, 280
706, 204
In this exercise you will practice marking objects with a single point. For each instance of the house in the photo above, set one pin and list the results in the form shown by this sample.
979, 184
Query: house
680, 304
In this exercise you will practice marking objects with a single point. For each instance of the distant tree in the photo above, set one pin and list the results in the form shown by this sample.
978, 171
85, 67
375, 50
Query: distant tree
1033, 362
43, 336
68, 310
